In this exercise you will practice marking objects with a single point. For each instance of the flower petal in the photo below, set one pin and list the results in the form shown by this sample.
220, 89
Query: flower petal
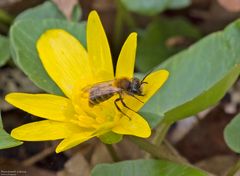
137, 126
64, 58
98, 49
126, 59
47, 106
154, 82
45, 130
73, 141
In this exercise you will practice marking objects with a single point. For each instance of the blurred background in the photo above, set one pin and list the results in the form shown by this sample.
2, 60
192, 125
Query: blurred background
162, 32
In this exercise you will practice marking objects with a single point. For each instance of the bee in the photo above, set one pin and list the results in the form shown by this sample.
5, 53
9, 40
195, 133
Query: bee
103, 91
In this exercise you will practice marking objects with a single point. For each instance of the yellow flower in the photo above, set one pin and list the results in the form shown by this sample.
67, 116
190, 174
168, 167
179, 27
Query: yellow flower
73, 68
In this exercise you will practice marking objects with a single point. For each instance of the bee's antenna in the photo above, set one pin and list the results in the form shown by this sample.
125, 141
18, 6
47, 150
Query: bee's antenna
142, 81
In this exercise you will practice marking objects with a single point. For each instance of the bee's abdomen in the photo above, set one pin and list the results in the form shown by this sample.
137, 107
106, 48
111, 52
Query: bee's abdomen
96, 99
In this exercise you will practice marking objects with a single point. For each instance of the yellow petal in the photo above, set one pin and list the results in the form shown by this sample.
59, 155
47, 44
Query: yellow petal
65, 59
126, 59
137, 126
45, 130
43, 105
73, 141
154, 81
98, 49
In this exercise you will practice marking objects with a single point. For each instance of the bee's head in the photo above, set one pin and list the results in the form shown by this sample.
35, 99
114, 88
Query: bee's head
136, 87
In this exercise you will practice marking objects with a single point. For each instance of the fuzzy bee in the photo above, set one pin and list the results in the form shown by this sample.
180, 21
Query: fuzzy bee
103, 91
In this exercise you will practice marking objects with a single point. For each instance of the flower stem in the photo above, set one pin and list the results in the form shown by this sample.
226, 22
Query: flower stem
156, 151
235, 168
173, 151
160, 152
122, 17
5, 17
126, 15
160, 140
112, 152
118, 28
161, 132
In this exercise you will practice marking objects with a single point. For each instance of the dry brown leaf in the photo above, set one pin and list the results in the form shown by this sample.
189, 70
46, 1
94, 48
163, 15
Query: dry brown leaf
66, 7
76, 166
100, 155
230, 5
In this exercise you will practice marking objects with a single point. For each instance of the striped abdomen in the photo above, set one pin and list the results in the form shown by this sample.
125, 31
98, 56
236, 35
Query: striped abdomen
96, 99
101, 92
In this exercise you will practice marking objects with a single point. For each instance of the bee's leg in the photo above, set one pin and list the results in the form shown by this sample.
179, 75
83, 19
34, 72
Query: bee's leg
136, 97
115, 102
124, 104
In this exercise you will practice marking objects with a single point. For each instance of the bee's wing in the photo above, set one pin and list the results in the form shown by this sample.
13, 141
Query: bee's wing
99, 84
100, 89
103, 90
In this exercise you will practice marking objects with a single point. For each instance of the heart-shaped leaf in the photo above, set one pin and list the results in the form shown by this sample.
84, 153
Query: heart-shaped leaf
153, 7
23, 37
232, 134
150, 7
6, 141
199, 77
146, 167
42, 11
48, 10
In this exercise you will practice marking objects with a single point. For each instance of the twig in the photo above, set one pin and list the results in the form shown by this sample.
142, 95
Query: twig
32, 160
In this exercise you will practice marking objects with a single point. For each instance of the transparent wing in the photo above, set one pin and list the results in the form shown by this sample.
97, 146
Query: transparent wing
100, 89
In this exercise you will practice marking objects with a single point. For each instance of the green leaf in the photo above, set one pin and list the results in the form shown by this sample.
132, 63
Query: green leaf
150, 7
4, 50
6, 141
42, 11
152, 43
77, 13
145, 167
178, 4
110, 138
153, 7
48, 10
23, 37
232, 134
199, 77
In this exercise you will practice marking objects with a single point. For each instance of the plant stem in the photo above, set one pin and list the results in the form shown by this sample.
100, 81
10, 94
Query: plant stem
112, 152
118, 27
156, 151
173, 151
161, 132
160, 152
122, 17
235, 168
160, 140
126, 15
5, 17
